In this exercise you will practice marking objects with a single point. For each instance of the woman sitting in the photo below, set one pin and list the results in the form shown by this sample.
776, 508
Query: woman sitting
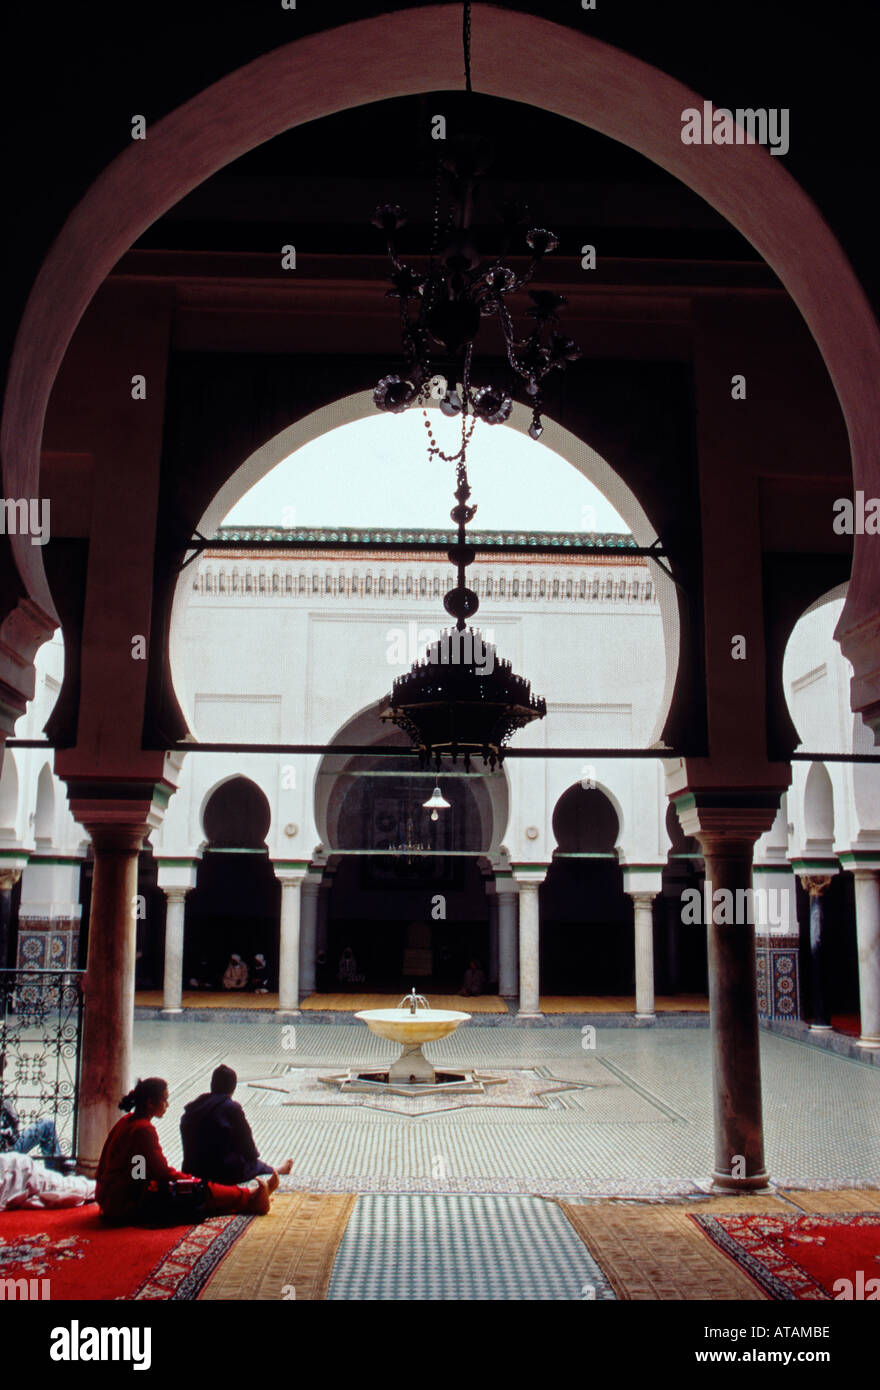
136, 1186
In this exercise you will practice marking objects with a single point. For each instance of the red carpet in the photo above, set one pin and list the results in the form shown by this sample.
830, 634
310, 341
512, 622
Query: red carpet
85, 1259
851, 1024
801, 1257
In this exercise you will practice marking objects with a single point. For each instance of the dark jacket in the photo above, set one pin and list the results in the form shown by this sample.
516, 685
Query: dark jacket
217, 1141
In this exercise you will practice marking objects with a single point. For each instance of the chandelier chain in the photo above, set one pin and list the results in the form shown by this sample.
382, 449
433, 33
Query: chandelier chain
466, 43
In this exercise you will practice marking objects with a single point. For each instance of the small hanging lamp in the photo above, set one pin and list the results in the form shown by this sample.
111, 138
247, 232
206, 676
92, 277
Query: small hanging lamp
437, 802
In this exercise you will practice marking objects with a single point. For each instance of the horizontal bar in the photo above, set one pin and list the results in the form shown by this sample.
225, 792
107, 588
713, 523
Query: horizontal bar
383, 751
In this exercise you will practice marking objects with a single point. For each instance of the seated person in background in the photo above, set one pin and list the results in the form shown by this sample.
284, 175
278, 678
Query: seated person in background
235, 976
260, 975
217, 1139
474, 981
347, 974
41, 1134
136, 1186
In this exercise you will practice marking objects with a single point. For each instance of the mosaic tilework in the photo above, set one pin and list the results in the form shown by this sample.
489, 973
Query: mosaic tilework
476, 1248
646, 1130
778, 968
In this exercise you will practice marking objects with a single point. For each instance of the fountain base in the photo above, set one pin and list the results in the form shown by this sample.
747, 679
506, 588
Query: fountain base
389, 1081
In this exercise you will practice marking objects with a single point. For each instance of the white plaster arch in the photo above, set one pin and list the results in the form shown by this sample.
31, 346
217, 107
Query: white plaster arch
9, 798
819, 808
44, 815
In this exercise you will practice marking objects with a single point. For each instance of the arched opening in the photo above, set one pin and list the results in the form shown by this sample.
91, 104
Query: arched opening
407, 903
8, 800
587, 919
680, 964
832, 806
234, 907
44, 816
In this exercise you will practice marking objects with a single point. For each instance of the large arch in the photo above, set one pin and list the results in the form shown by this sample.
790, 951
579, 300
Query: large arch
360, 406
515, 56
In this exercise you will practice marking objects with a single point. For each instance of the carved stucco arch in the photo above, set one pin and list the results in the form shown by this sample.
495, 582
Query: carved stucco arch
518, 57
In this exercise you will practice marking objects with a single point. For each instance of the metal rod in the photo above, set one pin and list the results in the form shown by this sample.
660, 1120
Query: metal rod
366, 751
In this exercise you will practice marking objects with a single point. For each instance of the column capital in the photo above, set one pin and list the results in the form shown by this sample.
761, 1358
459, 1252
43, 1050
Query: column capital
642, 880
529, 875
12, 862
815, 884
861, 863
505, 883
117, 837
726, 821
177, 875
290, 872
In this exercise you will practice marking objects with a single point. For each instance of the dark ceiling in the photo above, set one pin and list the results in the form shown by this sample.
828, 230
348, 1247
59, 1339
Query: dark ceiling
74, 74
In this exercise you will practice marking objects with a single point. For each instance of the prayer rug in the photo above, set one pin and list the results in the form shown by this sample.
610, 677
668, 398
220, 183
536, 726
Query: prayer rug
288, 1254
807, 1258
83, 1258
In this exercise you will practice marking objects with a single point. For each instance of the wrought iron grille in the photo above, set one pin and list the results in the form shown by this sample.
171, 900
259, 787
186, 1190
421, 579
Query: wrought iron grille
40, 1032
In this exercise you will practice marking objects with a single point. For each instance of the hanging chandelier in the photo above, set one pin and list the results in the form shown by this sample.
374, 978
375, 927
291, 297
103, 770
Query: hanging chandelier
441, 309
461, 698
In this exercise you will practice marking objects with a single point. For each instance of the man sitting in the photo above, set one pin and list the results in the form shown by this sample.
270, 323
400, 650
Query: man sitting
217, 1139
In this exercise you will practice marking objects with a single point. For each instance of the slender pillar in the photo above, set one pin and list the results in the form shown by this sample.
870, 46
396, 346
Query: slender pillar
733, 1005
291, 881
643, 911
529, 881
508, 959
175, 907
868, 939
815, 884
308, 933
108, 987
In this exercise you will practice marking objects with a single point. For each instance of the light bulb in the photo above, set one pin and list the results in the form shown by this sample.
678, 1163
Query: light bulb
434, 816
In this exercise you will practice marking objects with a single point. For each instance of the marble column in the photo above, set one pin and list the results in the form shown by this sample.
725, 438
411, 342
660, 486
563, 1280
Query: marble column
175, 907
529, 881
815, 885
508, 959
867, 887
311, 889
291, 881
733, 1008
643, 911
108, 987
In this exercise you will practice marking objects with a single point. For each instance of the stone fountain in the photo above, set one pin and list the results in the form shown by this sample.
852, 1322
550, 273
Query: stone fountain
412, 1023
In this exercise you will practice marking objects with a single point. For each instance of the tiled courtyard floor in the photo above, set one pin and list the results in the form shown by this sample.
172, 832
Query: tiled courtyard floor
637, 1122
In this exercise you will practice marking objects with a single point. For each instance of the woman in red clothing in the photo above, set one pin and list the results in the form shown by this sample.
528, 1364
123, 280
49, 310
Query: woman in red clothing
136, 1186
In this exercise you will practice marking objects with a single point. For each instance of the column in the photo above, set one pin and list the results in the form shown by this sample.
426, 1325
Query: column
642, 883
868, 940
176, 878
733, 1008
308, 933
815, 884
643, 911
291, 879
108, 987
529, 880
508, 958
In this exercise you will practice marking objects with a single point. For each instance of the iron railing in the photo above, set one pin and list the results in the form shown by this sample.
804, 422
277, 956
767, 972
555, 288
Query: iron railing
40, 1034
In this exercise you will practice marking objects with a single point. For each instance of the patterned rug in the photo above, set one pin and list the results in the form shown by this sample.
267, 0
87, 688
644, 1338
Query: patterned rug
807, 1258
82, 1258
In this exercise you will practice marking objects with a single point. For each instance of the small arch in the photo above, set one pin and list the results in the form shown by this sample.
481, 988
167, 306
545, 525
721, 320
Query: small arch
235, 814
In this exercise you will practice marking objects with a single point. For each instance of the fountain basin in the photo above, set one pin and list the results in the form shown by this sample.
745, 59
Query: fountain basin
412, 1029
404, 1026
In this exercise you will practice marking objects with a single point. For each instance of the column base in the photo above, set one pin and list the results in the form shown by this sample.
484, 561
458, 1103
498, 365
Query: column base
86, 1169
522, 1013
753, 1183
821, 1028
650, 1018
288, 1013
869, 1044
170, 1013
